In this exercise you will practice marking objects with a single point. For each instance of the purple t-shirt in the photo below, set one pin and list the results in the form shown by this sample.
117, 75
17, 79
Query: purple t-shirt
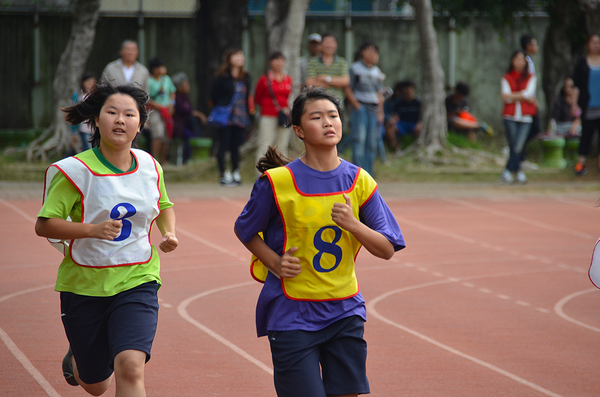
276, 312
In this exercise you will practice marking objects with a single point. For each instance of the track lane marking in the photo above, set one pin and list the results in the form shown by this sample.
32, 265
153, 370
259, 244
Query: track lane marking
373, 311
19, 355
182, 310
558, 308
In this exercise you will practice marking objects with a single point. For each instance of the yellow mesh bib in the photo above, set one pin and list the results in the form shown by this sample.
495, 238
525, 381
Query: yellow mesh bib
326, 251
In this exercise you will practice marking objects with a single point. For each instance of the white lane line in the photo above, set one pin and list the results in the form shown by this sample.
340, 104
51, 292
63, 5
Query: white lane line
519, 218
211, 245
19, 355
18, 211
558, 308
182, 310
373, 312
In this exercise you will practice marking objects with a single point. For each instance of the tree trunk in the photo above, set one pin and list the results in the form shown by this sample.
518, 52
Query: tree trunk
284, 22
219, 27
591, 11
433, 133
56, 139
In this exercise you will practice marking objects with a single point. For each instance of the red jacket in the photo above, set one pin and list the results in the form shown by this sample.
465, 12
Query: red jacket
518, 83
263, 98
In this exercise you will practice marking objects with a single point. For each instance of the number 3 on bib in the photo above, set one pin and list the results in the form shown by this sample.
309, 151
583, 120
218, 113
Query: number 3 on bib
122, 211
325, 247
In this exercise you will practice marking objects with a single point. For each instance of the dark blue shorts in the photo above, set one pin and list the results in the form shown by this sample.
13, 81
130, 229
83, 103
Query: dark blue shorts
98, 328
339, 351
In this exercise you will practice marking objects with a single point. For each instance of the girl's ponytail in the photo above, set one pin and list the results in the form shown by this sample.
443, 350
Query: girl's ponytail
272, 159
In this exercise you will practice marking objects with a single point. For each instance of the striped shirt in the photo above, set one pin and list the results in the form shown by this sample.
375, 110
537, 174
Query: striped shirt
338, 68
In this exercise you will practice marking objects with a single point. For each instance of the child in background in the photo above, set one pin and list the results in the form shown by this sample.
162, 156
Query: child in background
314, 214
109, 276
162, 101
82, 133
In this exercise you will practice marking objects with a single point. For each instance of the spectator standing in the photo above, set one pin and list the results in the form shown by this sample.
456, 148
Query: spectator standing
567, 122
366, 110
162, 101
518, 94
530, 47
272, 94
232, 79
314, 49
82, 133
328, 70
187, 122
127, 69
402, 113
457, 112
586, 77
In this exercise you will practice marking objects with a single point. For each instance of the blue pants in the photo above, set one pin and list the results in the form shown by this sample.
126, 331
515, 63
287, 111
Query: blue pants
364, 137
516, 135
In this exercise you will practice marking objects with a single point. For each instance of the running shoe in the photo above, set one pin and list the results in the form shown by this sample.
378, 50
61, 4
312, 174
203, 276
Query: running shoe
506, 177
580, 169
67, 367
521, 177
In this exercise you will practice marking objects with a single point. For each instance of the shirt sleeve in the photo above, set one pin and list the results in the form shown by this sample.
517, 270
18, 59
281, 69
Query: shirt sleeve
164, 201
257, 212
529, 91
376, 214
505, 89
61, 200
311, 68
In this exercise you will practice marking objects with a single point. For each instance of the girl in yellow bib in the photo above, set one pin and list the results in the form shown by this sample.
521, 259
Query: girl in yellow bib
99, 207
304, 224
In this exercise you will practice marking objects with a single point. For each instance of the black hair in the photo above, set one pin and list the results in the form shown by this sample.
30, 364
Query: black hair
276, 55
155, 63
273, 158
526, 39
84, 77
525, 72
366, 44
309, 95
328, 34
462, 88
87, 110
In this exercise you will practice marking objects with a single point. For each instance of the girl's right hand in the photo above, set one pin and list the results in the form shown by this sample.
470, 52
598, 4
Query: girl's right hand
288, 266
107, 230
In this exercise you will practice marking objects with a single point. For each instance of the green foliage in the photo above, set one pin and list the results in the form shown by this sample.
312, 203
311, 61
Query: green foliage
499, 13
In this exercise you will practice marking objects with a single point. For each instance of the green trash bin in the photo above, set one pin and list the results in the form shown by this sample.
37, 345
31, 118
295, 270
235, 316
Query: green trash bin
572, 150
553, 149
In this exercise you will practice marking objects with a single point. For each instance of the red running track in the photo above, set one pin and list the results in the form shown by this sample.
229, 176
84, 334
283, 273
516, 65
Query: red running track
491, 298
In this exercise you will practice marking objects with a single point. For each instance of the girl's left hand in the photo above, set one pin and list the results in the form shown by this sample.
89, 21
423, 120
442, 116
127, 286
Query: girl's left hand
169, 242
342, 214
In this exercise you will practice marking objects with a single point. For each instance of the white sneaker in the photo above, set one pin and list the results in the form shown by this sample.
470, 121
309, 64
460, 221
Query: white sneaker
226, 179
237, 178
506, 177
521, 178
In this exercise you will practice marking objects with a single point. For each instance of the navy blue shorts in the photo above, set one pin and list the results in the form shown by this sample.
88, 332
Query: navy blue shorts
99, 328
339, 351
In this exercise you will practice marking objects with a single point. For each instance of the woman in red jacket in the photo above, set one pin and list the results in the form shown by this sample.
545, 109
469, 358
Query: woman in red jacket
272, 92
518, 94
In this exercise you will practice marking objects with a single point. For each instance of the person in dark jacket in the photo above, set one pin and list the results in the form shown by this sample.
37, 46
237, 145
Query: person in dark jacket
586, 77
232, 88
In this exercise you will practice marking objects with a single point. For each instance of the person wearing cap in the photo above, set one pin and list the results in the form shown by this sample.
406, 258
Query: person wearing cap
314, 49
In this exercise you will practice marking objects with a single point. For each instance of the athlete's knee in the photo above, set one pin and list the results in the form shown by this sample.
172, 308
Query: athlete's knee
129, 366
